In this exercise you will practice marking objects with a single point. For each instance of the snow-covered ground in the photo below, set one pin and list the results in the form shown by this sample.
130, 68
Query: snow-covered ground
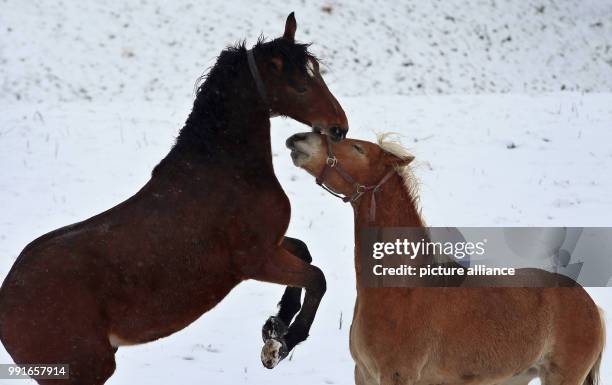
104, 49
92, 94
62, 163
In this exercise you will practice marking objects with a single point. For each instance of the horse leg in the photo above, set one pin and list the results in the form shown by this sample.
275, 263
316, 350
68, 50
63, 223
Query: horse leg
90, 358
73, 333
284, 268
577, 353
89, 364
557, 378
290, 303
522, 378
362, 377
568, 369
569, 372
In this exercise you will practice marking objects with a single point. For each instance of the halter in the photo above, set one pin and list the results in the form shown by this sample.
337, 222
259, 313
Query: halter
358, 189
261, 88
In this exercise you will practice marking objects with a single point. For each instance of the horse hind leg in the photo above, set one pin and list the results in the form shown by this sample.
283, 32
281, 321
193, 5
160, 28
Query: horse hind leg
523, 378
578, 354
49, 331
571, 373
558, 378
89, 356
290, 303
574, 376
90, 368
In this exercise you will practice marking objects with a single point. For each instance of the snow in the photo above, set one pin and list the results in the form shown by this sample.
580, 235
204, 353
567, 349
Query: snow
93, 94
65, 162
101, 50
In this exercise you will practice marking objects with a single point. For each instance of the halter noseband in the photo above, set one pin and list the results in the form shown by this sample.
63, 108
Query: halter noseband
358, 189
261, 88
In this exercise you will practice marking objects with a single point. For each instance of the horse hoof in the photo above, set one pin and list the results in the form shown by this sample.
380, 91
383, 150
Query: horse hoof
273, 328
273, 352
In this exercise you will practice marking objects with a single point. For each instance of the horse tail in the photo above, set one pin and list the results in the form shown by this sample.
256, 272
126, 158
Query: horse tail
593, 376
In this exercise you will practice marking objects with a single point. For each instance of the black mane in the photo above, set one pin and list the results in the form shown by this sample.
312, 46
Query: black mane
229, 80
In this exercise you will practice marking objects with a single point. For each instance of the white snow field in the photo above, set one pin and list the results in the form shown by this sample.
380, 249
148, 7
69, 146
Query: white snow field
104, 49
65, 162
93, 93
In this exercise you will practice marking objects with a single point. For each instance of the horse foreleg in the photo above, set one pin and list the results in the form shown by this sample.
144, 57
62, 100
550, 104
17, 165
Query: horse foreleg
284, 268
362, 377
291, 301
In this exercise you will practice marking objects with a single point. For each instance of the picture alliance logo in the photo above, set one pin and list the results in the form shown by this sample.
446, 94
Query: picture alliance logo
404, 247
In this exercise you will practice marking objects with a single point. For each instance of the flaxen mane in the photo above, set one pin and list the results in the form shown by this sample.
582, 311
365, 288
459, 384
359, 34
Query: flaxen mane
389, 142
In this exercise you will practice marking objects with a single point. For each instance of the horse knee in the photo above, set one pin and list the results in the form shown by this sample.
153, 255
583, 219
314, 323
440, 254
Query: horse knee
318, 284
298, 248
303, 251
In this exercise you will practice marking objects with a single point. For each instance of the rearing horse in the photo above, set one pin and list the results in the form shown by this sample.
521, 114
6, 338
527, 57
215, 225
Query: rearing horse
212, 215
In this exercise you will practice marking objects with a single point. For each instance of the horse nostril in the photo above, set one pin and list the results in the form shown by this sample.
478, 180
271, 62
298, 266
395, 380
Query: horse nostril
294, 138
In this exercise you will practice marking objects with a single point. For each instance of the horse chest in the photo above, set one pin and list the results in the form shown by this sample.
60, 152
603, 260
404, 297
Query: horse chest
266, 210
241, 202
371, 335
272, 207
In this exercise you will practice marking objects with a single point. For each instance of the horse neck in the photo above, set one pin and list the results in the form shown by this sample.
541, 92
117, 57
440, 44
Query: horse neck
233, 122
395, 207
229, 126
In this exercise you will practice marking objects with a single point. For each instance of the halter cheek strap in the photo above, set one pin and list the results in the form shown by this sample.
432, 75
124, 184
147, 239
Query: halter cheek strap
261, 88
331, 163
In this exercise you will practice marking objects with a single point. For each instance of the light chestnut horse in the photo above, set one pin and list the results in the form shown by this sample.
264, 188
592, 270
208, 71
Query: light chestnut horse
443, 335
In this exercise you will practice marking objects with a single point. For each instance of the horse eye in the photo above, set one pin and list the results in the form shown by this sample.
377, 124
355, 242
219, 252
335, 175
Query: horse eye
359, 149
301, 90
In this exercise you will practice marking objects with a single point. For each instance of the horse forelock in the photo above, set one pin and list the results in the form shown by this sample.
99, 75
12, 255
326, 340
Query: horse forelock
296, 55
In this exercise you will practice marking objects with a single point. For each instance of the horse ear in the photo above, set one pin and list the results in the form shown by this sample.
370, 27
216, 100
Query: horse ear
392, 159
406, 160
290, 28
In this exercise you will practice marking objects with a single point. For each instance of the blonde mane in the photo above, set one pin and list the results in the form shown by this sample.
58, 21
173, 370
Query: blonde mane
389, 142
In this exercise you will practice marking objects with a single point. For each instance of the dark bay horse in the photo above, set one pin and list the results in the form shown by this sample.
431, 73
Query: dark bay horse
212, 215
448, 335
